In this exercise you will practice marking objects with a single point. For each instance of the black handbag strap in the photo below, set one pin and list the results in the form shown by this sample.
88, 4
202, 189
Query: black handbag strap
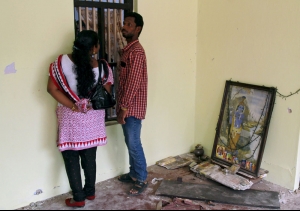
103, 65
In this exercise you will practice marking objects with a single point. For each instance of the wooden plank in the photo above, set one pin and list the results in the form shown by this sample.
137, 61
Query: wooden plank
219, 194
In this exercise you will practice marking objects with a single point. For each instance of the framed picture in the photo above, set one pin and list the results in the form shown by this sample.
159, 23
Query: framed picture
243, 125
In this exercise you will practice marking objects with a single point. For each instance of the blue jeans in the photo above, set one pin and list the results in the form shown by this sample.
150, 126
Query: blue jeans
132, 132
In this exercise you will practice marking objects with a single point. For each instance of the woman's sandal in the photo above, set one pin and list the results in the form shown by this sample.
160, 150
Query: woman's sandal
125, 178
138, 188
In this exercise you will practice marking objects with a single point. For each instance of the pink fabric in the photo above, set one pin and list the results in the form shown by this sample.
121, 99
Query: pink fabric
83, 105
110, 79
79, 131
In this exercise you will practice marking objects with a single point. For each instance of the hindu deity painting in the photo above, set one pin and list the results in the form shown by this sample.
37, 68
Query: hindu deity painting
243, 125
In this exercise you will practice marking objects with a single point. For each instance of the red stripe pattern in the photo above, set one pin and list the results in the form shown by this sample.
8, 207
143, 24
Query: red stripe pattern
56, 73
77, 131
133, 81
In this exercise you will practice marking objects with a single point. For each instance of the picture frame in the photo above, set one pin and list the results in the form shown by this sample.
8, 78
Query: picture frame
243, 126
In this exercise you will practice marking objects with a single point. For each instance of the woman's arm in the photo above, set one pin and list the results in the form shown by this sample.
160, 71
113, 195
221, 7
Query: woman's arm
59, 96
107, 86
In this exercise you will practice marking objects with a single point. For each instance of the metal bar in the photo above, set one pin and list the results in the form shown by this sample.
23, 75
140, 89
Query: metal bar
125, 6
121, 40
130, 3
115, 36
101, 32
87, 19
97, 23
108, 36
79, 18
94, 20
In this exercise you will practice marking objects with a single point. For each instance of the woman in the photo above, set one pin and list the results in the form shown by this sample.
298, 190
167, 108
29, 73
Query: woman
80, 128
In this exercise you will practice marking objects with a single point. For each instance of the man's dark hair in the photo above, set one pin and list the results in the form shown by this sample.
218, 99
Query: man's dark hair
138, 19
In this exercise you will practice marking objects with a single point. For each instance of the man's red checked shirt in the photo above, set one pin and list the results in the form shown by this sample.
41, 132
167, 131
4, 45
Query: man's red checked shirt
133, 81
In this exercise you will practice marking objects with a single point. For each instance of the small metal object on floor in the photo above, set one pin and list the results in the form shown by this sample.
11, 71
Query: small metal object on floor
155, 180
179, 179
210, 203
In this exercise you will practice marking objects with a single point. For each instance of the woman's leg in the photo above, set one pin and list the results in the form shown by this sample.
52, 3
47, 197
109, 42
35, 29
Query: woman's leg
71, 159
88, 163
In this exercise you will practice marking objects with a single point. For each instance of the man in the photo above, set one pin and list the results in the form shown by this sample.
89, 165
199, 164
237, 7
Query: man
132, 101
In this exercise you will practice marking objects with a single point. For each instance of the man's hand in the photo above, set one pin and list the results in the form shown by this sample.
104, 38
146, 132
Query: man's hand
121, 117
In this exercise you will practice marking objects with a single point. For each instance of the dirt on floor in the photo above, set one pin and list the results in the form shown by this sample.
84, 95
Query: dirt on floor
113, 195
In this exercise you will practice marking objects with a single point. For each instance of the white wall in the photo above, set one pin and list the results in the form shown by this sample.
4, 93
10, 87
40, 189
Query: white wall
33, 34
169, 37
255, 42
192, 48
30, 37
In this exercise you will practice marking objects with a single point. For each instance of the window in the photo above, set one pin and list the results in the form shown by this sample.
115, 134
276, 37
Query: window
106, 18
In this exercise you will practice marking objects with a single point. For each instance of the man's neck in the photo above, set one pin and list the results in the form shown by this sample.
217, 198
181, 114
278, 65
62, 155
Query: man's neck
132, 39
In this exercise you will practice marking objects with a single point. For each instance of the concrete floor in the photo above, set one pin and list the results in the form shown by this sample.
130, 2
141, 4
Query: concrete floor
113, 195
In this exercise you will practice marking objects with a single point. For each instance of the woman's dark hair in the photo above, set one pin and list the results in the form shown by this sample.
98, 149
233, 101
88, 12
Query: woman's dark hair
138, 19
81, 56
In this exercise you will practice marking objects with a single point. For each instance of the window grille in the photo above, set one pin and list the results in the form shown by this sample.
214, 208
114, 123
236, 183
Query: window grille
106, 18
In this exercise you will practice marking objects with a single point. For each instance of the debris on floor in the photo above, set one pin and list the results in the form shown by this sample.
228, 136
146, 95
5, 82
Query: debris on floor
34, 205
225, 176
210, 203
177, 161
262, 173
203, 166
116, 197
159, 205
155, 180
219, 193
179, 204
234, 186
